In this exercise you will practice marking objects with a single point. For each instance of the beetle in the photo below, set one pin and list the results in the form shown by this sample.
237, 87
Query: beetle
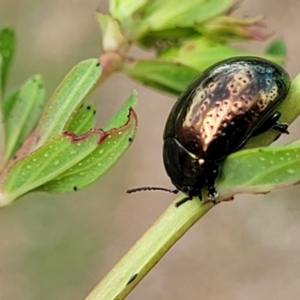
229, 103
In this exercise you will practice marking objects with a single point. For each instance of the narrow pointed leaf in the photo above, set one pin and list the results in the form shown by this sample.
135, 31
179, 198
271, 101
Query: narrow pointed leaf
9, 102
67, 98
260, 170
98, 162
121, 117
166, 76
83, 121
7, 49
25, 113
61, 153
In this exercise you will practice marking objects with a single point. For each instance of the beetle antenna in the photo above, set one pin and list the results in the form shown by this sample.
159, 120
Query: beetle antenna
151, 188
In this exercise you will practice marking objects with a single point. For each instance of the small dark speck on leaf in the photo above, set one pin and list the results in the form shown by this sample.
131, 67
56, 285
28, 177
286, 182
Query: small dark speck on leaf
260, 150
15, 157
75, 188
130, 140
132, 278
88, 107
98, 64
94, 112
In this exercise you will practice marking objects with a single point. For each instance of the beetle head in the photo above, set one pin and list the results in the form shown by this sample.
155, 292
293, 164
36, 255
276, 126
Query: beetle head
184, 168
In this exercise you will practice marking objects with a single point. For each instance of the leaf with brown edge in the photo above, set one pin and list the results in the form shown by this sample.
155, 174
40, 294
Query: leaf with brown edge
46, 163
83, 120
67, 162
98, 162
67, 98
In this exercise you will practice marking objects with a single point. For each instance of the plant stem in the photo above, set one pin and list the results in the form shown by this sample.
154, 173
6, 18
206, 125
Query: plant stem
174, 222
111, 62
149, 249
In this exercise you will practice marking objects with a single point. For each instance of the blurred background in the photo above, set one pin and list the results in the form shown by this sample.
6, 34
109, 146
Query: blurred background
59, 246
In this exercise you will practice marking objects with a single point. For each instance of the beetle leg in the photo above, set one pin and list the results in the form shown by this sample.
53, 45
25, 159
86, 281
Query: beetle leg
177, 204
200, 196
271, 123
281, 127
212, 171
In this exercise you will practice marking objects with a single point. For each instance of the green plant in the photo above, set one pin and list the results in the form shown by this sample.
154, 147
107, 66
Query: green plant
57, 142
55, 147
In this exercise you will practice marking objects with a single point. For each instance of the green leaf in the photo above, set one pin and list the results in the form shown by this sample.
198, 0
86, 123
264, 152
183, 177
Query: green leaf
67, 98
164, 39
49, 161
24, 114
169, 14
277, 48
7, 49
98, 162
83, 121
166, 76
200, 53
68, 162
120, 118
9, 102
178, 66
260, 170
